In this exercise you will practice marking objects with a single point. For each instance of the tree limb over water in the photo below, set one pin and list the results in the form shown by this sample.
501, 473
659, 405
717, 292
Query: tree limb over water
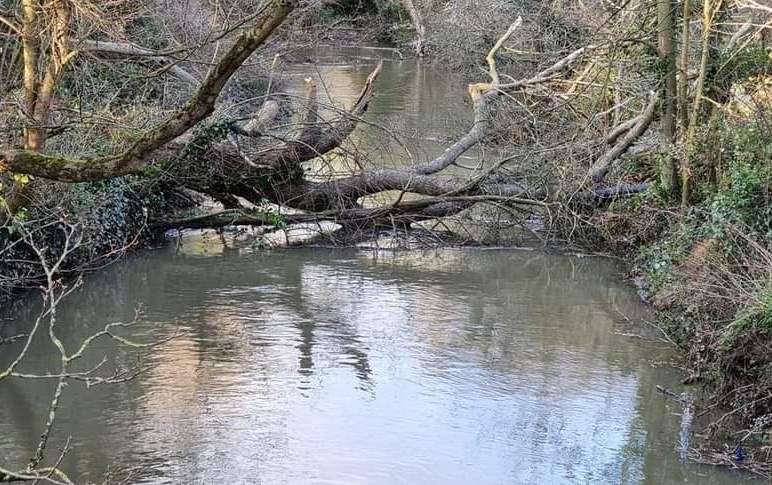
271, 169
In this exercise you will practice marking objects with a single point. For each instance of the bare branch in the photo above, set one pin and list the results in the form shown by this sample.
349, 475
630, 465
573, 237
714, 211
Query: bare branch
491, 58
601, 166
130, 50
481, 95
200, 106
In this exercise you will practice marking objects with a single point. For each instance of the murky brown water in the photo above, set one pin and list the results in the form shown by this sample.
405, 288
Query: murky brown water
325, 366
351, 367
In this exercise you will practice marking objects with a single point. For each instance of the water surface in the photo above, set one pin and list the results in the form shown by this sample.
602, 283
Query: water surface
352, 367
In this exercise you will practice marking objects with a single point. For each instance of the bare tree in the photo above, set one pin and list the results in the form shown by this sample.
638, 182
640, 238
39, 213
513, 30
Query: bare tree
271, 168
53, 291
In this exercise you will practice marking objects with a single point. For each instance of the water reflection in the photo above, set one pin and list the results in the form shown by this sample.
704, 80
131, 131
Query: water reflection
423, 107
315, 366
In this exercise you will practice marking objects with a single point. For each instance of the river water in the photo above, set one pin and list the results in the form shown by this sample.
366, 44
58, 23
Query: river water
350, 366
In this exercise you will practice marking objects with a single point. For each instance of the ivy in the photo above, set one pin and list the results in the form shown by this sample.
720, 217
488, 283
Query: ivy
742, 197
206, 135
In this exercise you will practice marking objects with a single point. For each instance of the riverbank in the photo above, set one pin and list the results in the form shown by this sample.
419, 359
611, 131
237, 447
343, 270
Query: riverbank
735, 389
707, 268
83, 228
108, 219
708, 271
713, 295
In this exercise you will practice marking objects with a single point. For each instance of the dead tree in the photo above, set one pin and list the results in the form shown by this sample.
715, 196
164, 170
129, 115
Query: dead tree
273, 171
53, 291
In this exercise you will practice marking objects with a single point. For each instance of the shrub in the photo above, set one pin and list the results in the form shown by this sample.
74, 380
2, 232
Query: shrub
743, 195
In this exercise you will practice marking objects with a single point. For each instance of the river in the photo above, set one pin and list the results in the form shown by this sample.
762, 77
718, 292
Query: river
350, 366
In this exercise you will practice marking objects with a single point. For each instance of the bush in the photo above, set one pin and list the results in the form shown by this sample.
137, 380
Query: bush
743, 195
738, 66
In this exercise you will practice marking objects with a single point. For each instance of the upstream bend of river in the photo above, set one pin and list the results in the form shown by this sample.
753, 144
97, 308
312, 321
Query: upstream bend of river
353, 367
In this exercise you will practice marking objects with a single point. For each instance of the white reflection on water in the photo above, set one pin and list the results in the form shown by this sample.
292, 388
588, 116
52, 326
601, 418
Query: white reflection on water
336, 367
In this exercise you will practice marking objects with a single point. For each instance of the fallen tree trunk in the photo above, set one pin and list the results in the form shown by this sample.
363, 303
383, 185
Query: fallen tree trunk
275, 172
130, 50
271, 169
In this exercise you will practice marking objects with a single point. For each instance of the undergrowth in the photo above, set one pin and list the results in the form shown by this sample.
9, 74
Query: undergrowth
712, 272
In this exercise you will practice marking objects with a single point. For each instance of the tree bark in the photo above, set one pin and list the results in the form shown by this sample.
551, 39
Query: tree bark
683, 77
710, 9
418, 25
665, 14
273, 171
602, 166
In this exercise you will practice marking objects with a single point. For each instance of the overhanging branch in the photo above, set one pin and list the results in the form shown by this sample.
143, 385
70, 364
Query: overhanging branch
199, 107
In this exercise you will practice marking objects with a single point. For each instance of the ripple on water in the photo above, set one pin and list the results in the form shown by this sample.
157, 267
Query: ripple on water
332, 367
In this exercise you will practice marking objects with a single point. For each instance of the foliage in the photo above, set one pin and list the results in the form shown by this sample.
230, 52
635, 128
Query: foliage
659, 259
743, 195
712, 271
740, 201
273, 217
738, 66
206, 135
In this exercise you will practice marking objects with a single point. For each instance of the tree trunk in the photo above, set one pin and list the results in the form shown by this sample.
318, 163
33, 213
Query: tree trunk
683, 79
418, 25
710, 9
665, 14
683, 109
147, 146
34, 135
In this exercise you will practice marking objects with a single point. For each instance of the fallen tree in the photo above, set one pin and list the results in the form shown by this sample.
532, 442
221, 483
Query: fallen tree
235, 161
255, 164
